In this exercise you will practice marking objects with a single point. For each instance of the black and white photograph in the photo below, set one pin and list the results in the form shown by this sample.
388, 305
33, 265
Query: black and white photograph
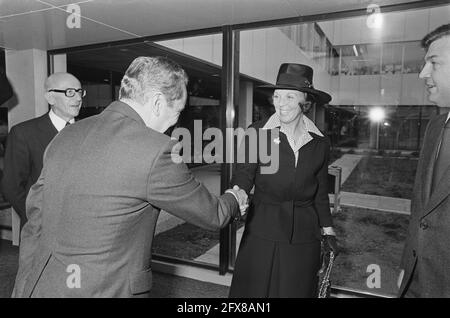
225, 156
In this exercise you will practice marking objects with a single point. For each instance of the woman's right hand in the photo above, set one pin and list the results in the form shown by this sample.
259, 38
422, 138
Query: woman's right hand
241, 197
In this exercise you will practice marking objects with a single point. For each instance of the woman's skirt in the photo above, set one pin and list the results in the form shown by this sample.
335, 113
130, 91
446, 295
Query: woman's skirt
275, 269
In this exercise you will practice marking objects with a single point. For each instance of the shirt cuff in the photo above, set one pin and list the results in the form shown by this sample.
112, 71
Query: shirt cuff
234, 194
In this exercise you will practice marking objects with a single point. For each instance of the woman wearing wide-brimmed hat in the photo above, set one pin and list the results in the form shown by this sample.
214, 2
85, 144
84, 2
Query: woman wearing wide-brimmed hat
279, 255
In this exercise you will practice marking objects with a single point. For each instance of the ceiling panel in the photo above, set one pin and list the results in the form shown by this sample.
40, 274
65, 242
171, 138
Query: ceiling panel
308, 7
162, 16
112, 20
48, 29
59, 3
8, 7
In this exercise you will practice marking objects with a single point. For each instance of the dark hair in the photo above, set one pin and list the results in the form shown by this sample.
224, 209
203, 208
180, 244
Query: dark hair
440, 32
308, 104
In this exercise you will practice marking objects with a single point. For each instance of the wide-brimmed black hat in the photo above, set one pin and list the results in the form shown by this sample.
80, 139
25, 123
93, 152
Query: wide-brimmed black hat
298, 77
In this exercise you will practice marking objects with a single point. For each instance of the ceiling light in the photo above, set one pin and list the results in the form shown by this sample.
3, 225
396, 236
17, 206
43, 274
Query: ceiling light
374, 18
377, 114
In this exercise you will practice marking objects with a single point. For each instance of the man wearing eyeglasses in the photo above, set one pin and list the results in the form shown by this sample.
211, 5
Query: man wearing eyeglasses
27, 141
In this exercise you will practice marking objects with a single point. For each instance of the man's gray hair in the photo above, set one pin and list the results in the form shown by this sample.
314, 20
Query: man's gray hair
148, 74
440, 32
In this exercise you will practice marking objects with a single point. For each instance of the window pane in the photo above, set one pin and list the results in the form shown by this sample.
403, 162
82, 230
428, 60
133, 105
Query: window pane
376, 123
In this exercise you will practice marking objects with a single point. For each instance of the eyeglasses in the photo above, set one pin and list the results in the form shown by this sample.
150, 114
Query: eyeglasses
70, 92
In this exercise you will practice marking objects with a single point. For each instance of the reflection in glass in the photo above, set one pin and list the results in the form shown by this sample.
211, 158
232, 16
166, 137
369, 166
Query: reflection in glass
362, 68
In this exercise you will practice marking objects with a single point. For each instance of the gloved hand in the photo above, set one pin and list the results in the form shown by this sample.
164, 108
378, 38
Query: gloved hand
330, 244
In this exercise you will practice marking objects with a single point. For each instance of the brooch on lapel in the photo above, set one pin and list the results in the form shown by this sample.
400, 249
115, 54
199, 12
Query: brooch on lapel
277, 141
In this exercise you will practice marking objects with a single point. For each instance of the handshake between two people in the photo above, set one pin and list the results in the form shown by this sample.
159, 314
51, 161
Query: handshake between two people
241, 197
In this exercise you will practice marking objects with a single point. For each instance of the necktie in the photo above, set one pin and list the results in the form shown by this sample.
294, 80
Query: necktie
443, 158
67, 124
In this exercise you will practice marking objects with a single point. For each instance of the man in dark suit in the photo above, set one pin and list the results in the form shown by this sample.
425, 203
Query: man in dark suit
27, 141
92, 214
426, 258
6, 91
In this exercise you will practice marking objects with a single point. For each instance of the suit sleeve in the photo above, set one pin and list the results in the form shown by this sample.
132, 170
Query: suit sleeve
173, 188
17, 169
31, 232
321, 200
6, 91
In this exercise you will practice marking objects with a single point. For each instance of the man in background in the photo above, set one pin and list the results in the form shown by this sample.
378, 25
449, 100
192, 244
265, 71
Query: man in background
425, 266
6, 91
27, 141
93, 212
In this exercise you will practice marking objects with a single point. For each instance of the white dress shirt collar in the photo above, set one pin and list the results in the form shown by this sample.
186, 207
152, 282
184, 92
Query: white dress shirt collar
274, 121
57, 121
295, 142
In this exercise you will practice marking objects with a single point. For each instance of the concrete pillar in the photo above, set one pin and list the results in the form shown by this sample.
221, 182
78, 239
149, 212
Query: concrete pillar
59, 63
27, 72
245, 104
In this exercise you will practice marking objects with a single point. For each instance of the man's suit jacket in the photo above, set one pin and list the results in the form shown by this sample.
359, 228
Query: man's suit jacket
25, 148
94, 208
428, 240
6, 91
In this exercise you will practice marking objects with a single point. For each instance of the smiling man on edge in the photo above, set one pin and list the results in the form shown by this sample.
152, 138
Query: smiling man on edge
425, 266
